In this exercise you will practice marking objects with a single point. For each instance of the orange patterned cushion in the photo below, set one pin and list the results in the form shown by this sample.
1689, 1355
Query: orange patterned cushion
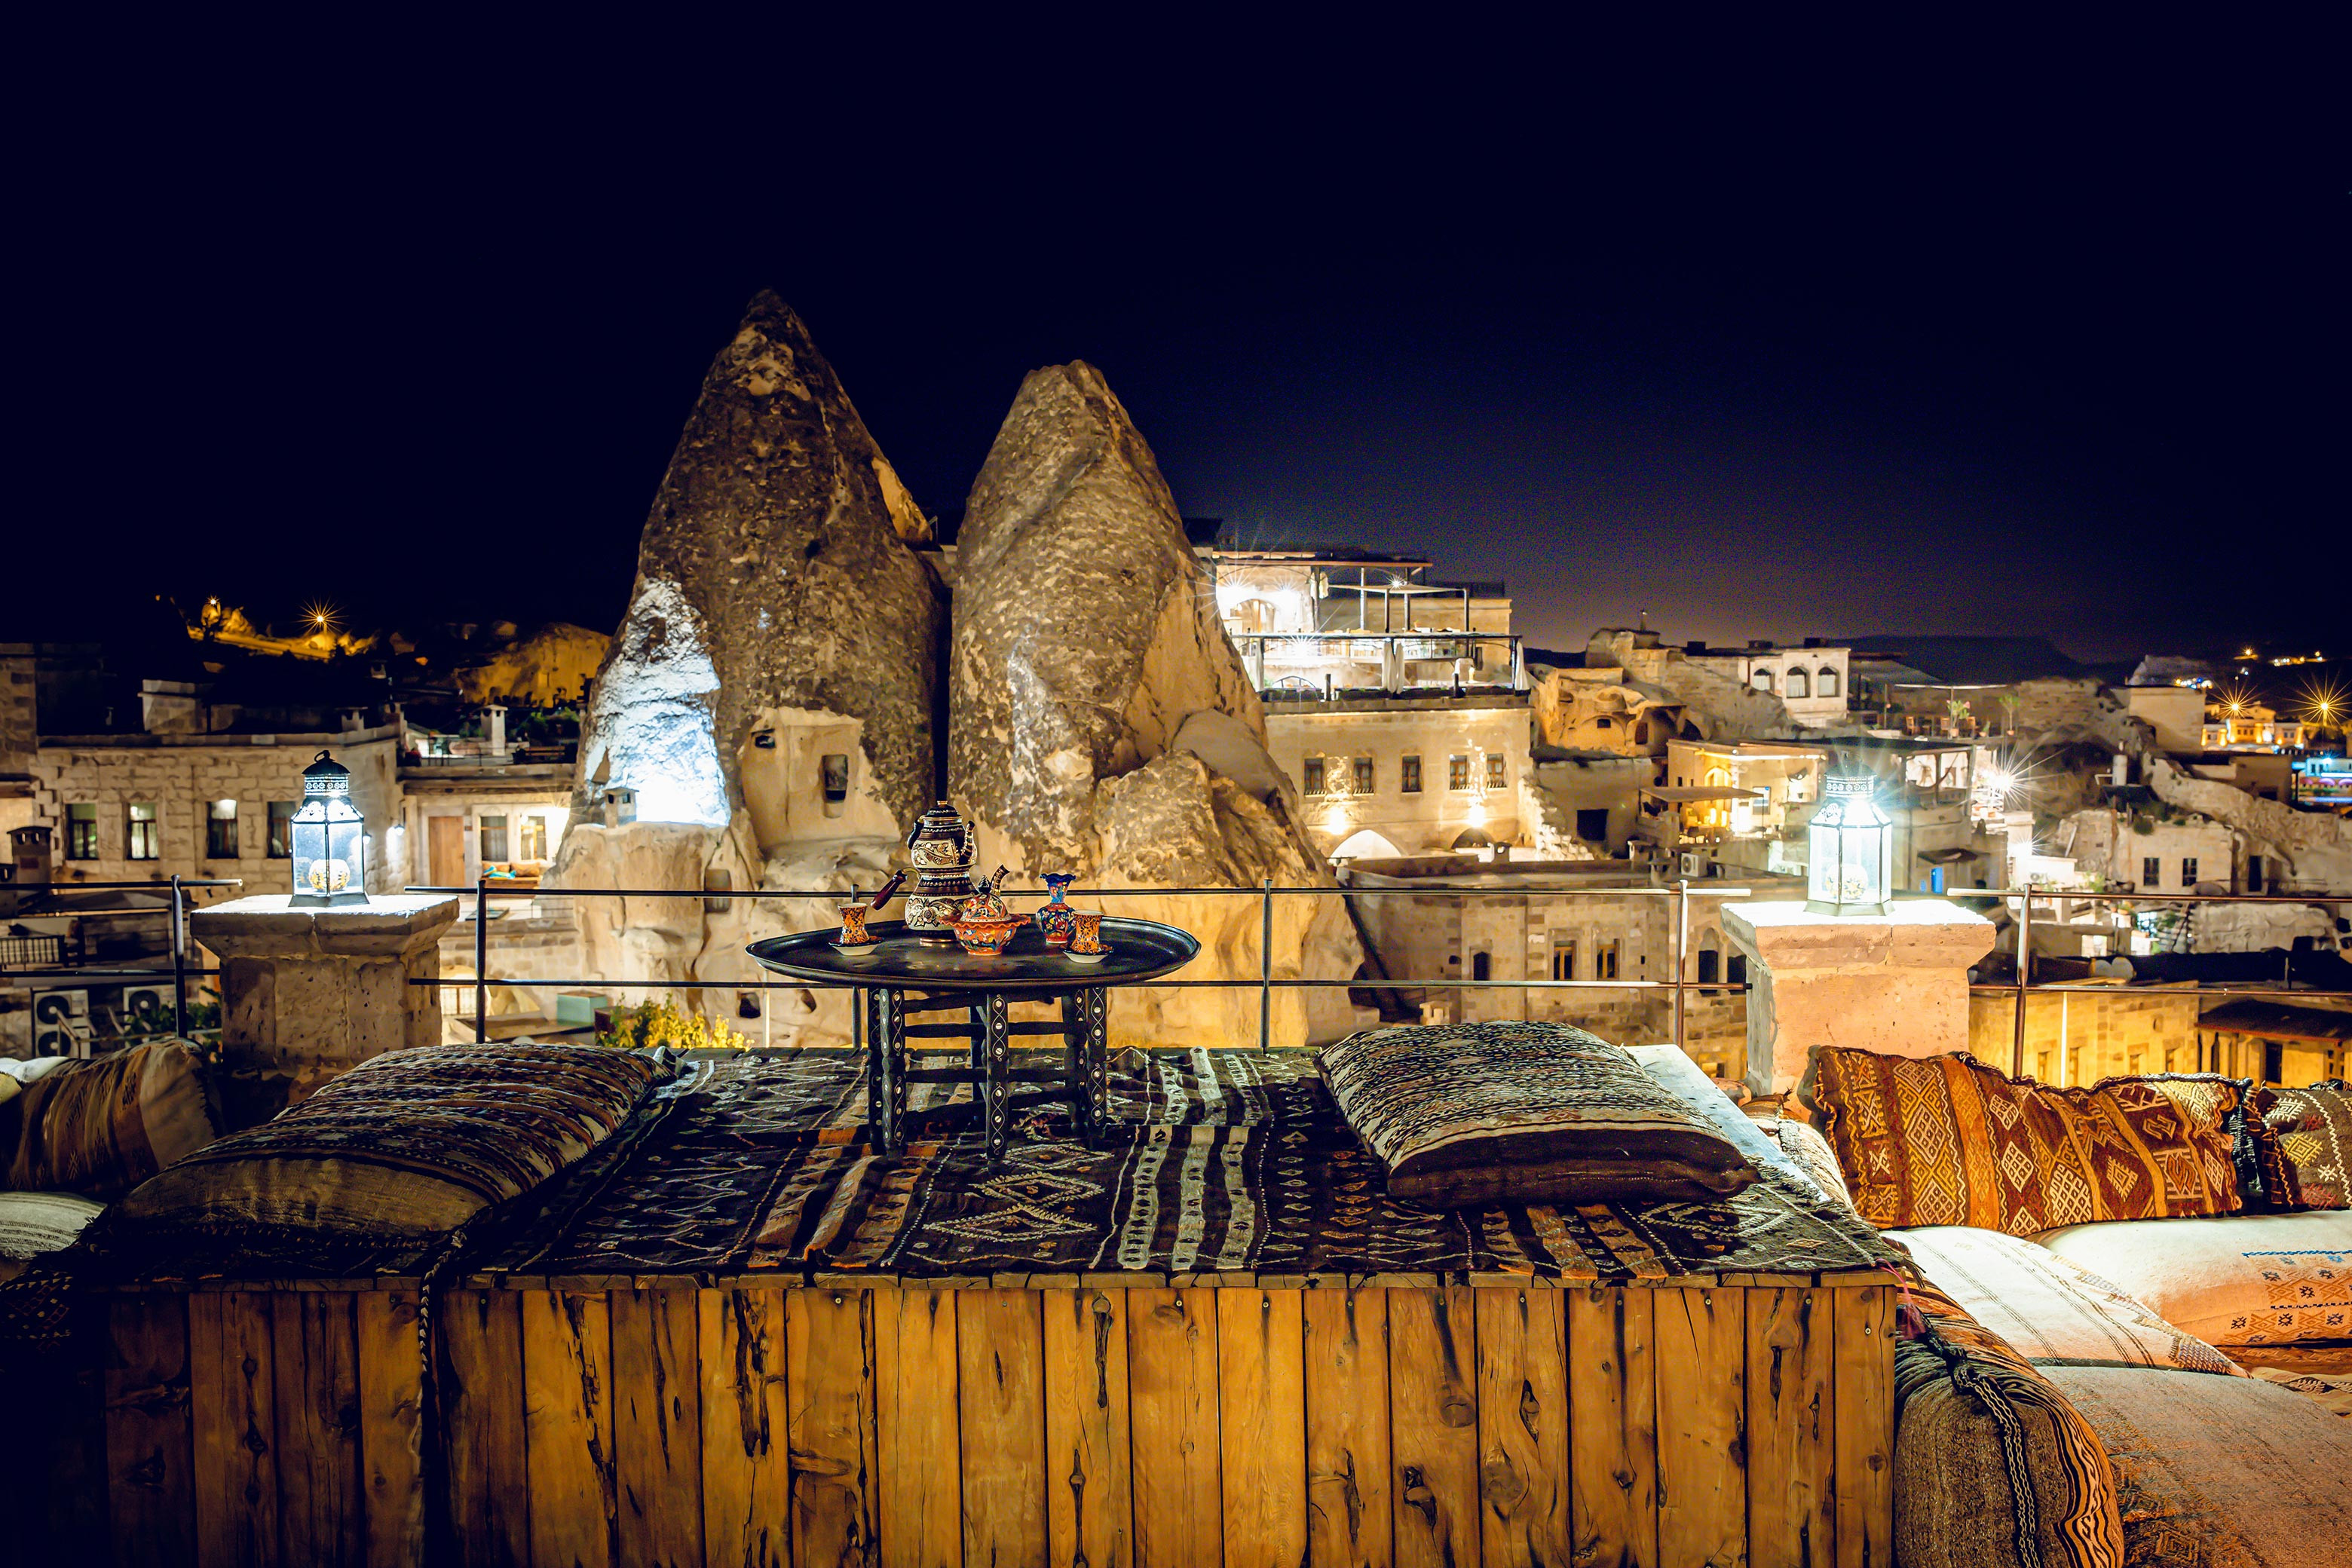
1949, 1141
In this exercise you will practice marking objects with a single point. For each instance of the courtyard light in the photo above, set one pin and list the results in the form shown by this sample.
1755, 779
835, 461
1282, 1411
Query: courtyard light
1849, 848
330, 846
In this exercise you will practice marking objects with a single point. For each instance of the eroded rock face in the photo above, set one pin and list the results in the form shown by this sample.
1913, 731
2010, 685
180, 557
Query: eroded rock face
773, 575
2316, 847
1103, 725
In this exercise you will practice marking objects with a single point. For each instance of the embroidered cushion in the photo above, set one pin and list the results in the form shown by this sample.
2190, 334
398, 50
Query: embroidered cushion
1993, 1469
2251, 1279
1802, 1144
1948, 1141
33, 1222
2051, 1310
1474, 1115
2218, 1470
412, 1142
2307, 1135
101, 1125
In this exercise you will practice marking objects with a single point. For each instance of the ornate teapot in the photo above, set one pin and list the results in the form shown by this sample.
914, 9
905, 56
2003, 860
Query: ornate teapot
940, 850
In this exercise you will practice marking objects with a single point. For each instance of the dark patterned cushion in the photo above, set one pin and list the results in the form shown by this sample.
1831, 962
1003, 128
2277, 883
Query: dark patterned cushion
413, 1143
1949, 1141
1473, 1115
104, 1124
2308, 1135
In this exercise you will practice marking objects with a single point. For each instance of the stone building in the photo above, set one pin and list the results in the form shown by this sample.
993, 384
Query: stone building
1812, 682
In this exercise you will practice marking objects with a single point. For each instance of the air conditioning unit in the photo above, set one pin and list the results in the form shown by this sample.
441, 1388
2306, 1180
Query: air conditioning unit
61, 1022
146, 1010
1693, 865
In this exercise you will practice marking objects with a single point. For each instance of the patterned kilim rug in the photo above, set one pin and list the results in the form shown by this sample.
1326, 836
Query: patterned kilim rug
1227, 1162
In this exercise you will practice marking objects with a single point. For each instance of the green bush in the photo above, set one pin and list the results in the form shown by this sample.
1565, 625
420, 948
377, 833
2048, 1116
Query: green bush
656, 1024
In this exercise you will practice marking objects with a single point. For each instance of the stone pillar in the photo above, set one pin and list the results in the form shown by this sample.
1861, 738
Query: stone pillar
1896, 982
309, 993
494, 728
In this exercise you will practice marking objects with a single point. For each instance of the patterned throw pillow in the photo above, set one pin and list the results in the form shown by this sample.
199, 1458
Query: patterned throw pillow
1949, 1141
409, 1143
2309, 1134
1474, 1115
101, 1125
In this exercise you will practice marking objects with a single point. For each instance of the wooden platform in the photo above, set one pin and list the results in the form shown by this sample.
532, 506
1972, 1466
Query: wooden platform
1106, 1421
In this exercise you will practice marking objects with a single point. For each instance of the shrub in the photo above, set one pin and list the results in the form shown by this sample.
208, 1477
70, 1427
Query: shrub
652, 1025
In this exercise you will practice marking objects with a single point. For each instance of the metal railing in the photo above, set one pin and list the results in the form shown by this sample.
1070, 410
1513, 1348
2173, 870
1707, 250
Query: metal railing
182, 972
1266, 984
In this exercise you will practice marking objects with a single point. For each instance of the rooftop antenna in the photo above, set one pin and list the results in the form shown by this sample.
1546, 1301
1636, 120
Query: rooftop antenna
1645, 620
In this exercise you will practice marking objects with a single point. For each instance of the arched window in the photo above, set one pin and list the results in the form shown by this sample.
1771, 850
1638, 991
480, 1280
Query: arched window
1710, 959
1762, 681
1482, 967
1798, 685
1254, 615
1825, 684
1736, 971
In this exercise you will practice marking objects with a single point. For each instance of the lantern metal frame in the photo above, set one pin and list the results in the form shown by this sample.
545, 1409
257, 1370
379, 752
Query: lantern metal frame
329, 840
1850, 850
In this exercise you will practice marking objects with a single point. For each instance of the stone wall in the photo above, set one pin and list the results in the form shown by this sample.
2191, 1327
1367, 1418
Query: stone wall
2079, 1036
2313, 848
1432, 729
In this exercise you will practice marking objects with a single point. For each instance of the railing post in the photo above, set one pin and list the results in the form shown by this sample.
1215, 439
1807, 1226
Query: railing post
1682, 946
179, 962
1265, 964
481, 960
2024, 976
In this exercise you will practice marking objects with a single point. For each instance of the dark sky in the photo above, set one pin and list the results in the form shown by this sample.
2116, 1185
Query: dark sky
1773, 335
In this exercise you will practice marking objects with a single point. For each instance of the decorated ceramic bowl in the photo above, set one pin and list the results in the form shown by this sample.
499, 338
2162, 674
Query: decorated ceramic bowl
987, 936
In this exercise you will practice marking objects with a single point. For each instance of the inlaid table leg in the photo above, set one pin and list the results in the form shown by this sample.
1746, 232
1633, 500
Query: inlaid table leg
1079, 1090
1096, 1077
861, 1019
888, 1026
996, 1082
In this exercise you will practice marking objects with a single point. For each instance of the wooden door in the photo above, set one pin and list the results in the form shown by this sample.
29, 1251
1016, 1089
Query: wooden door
445, 847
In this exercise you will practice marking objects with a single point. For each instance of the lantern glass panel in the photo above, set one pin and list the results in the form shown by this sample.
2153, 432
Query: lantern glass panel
329, 840
1849, 846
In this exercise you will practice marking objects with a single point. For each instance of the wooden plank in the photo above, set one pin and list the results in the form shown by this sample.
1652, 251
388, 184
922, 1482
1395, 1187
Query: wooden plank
830, 1335
232, 1387
315, 1353
1863, 1333
999, 1391
917, 1433
746, 1494
1433, 1424
1171, 1379
1523, 1427
1349, 1499
392, 1472
1262, 1426
151, 1496
1792, 1505
657, 1428
1090, 1505
1700, 1340
1612, 1393
481, 1395
567, 1421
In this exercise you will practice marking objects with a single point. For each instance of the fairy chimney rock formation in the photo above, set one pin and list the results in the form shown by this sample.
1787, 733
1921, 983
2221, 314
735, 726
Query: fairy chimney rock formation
778, 615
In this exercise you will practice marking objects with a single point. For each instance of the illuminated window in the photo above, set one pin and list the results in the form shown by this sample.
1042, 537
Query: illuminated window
146, 833
1457, 773
1826, 683
1494, 771
1563, 960
1798, 686
535, 838
281, 830
2188, 871
1762, 681
1363, 776
1408, 776
81, 833
1311, 775
220, 830
494, 838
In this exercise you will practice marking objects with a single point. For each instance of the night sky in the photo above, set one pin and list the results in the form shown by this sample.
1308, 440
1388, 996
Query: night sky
1772, 336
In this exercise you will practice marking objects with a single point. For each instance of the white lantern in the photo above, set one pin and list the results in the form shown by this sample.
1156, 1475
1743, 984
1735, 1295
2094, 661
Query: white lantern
1850, 851
330, 842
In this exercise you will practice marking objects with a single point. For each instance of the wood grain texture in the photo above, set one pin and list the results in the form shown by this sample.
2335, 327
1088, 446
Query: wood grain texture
1089, 1501
657, 1427
746, 1485
567, 1365
1171, 1378
150, 1431
1262, 1426
481, 1393
391, 1399
1862, 1334
235, 1438
1791, 1503
1433, 1424
1699, 1340
916, 1401
1001, 1393
322, 1512
1612, 1393
830, 1333
1523, 1428
1349, 1498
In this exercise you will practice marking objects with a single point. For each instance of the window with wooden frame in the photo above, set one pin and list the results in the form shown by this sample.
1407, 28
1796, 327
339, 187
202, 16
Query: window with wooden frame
220, 830
1362, 772
81, 831
1310, 775
1408, 776
1457, 773
145, 840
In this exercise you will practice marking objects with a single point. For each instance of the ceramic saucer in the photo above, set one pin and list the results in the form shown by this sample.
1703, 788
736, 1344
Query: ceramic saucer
1074, 956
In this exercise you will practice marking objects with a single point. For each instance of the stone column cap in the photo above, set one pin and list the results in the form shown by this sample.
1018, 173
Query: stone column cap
266, 925
1913, 934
